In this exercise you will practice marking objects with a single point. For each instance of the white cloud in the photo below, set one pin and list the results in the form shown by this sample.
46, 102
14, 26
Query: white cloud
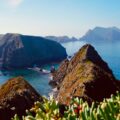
14, 3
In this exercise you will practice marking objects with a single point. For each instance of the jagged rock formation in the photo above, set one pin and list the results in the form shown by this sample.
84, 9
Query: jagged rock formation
59, 74
86, 75
15, 97
62, 39
100, 34
19, 51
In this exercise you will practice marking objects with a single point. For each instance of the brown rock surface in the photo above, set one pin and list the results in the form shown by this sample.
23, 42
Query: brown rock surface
87, 76
60, 73
16, 96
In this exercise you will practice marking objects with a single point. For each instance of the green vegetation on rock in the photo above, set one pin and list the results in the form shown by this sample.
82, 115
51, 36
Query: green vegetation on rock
108, 109
85, 75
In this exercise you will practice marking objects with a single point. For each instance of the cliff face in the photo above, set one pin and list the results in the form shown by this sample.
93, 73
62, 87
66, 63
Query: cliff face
18, 51
87, 76
61, 72
15, 97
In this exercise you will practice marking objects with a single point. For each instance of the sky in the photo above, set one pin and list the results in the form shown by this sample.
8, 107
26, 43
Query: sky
57, 17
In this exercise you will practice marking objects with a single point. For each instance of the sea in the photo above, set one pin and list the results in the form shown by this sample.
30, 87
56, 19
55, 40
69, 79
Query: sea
110, 52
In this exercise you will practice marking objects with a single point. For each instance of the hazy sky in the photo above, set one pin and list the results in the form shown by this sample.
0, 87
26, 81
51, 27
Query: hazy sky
57, 17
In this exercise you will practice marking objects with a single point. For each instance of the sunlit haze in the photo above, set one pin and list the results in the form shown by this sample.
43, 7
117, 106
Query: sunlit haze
57, 17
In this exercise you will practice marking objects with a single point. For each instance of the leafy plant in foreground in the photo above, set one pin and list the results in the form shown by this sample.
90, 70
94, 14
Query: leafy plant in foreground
109, 109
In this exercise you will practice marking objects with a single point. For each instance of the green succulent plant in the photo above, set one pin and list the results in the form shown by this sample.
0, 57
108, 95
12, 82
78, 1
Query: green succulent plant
109, 109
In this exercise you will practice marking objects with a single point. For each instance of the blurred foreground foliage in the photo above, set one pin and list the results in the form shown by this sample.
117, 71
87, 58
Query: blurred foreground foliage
108, 109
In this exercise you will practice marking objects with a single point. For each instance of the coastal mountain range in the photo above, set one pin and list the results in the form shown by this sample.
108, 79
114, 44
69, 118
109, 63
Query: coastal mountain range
101, 34
19, 51
62, 39
98, 34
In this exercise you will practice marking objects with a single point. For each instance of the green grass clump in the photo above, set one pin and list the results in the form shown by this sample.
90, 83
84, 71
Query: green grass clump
108, 109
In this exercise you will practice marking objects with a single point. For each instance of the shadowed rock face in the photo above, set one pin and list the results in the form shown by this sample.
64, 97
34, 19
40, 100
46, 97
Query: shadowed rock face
19, 51
87, 76
15, 97
60, 73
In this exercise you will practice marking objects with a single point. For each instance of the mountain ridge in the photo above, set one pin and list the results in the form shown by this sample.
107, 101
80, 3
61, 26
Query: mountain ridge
86, 76
96, 34
62, 39
102, 34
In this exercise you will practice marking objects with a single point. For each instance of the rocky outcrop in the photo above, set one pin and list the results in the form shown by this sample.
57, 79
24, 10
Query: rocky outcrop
86, 76
59, 74
15, 97
20, 51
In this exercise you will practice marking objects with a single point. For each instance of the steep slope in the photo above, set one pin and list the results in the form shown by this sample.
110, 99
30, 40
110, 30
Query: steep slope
18, 51
87, 76
16, 96
100, 34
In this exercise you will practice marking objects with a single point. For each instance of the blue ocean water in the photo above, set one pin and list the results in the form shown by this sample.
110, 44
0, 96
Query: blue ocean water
110, 52
37, 80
